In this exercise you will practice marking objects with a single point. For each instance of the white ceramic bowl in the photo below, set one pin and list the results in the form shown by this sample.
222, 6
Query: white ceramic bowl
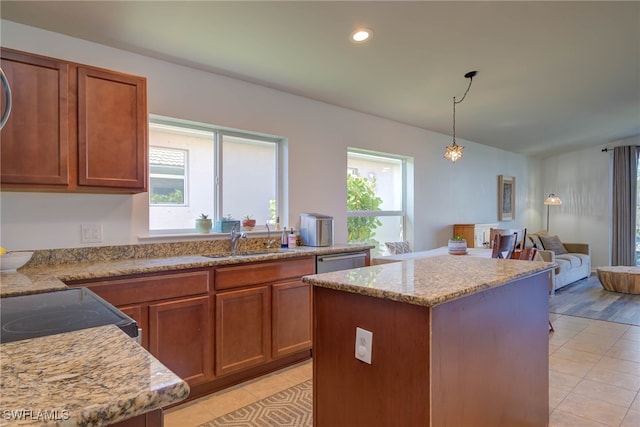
14, 260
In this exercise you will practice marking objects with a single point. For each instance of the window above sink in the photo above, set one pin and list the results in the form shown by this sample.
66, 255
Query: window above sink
196, 168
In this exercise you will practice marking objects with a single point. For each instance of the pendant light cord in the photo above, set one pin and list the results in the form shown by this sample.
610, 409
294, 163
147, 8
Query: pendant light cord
470, 76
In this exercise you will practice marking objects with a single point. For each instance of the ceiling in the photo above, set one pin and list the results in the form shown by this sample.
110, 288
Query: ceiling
552, 76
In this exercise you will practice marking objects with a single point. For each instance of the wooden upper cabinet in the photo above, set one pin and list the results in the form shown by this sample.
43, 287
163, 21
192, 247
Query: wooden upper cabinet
112, 129
35, 140
73, 127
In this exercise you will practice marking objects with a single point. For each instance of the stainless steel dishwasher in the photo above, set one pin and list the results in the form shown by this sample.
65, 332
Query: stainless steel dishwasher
340, 261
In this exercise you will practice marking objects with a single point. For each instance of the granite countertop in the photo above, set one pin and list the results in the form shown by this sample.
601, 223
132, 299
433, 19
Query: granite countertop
428, 281
51, 277
79, 379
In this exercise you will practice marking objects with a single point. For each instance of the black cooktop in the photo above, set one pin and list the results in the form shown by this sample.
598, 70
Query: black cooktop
37, 315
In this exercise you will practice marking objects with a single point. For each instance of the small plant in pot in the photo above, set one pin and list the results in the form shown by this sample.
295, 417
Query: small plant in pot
248, 223
203, 224
457, 246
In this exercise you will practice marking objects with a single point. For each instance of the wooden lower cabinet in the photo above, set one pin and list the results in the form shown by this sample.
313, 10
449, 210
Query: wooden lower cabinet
150, 419
180, 337
174, 311
263, 313
291, 318
216, 327
242, 329
139, 314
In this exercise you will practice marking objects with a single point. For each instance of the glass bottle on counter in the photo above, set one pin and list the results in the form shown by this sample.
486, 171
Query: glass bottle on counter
292, 239
284, 240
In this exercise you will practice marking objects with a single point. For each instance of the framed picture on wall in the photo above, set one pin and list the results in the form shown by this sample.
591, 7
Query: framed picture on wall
506, 198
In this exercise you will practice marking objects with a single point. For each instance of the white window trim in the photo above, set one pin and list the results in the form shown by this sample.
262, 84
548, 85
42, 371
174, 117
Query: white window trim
402, 213
281, 186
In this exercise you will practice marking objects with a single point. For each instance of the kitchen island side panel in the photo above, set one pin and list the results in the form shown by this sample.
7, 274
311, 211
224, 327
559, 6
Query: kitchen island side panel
394, 389
490, 357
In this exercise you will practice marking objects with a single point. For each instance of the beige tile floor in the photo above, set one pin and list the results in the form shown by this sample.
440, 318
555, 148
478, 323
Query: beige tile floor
594, 379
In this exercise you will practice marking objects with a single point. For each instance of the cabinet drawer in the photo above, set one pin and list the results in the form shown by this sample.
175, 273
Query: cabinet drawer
263, 272
151, 288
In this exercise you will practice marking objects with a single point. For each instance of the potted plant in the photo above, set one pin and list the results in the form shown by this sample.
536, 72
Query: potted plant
203, 224
226, 224
248, 223
457, 246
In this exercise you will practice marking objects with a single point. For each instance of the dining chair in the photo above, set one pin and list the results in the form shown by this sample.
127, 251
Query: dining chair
504, 245
520, 240
527, 254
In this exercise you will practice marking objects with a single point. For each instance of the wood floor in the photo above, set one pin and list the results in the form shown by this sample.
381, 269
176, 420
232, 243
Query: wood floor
587, 298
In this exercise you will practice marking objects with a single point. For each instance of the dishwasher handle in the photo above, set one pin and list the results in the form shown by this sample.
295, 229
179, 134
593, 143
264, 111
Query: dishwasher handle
326, 258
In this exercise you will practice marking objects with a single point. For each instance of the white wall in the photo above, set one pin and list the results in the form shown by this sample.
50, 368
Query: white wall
582, 181
318, 136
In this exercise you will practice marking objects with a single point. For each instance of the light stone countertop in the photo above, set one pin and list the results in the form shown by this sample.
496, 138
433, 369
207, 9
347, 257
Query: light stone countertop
51, 277
99, 376
94, 376
429, 281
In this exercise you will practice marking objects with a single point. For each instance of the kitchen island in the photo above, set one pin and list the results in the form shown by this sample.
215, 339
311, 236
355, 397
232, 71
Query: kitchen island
457, 341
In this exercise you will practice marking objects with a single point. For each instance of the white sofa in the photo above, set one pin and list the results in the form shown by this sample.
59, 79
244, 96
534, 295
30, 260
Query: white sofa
573, 265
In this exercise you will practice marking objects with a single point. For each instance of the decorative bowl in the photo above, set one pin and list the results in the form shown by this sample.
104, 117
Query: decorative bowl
11, 261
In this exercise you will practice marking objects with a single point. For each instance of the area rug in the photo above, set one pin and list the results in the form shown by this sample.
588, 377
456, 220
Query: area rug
587, 298
289, 408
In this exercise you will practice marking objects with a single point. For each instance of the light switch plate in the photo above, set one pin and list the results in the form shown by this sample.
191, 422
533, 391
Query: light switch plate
364, 343
91, 233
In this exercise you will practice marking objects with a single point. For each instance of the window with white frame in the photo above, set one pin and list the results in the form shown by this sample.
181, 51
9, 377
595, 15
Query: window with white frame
376, 193
197, 169
167, 176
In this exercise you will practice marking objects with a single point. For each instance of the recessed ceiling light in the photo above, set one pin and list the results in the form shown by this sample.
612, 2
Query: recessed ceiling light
361, 35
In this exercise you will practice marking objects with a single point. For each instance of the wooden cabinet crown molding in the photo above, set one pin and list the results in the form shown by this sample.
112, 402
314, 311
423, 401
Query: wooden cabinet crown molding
73, 127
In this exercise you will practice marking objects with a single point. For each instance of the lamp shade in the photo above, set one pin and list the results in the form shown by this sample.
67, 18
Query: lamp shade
553, 200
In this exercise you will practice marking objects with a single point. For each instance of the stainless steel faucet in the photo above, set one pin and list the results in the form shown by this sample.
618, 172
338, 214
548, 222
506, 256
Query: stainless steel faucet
235, 236
269, 241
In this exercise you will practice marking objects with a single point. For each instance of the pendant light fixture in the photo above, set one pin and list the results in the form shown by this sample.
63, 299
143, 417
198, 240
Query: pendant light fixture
454, 151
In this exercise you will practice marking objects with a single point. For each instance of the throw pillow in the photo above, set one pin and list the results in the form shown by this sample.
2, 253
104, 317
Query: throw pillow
553, 243
396, 248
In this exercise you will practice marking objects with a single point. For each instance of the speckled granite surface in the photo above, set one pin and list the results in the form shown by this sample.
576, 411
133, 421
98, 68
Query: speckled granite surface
99, 376
90, 377
158, 250
40, 276
428, 281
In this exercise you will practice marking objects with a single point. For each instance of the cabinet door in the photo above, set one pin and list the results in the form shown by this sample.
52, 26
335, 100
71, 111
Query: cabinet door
140, 314
467, 232
291, 318
112, 130
35, 140
242, 329
180, 337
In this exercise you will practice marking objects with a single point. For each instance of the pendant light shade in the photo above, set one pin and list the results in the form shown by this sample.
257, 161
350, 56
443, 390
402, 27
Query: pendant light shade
454, 152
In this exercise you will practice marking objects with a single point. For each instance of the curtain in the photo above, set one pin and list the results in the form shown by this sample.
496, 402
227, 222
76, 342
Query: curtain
625, 170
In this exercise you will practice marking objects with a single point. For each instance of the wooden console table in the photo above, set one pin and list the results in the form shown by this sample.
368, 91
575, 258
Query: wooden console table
474, 234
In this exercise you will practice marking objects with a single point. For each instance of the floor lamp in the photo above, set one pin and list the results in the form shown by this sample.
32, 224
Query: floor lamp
552, 200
